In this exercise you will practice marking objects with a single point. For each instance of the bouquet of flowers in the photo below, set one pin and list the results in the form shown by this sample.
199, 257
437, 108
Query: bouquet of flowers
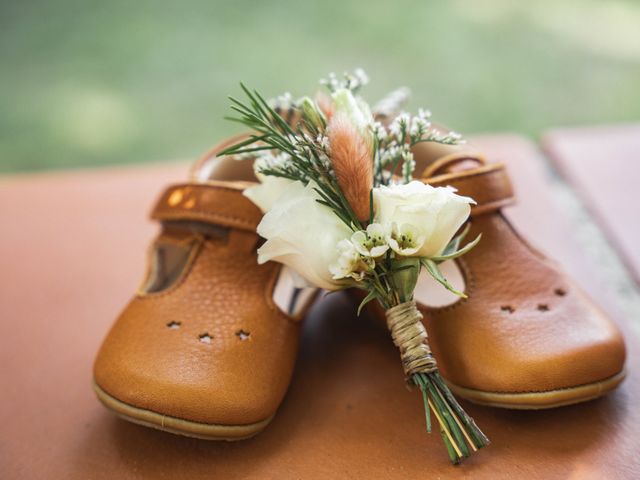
341, 208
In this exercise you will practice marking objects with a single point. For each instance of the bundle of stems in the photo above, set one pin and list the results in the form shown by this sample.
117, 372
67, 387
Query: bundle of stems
456, 427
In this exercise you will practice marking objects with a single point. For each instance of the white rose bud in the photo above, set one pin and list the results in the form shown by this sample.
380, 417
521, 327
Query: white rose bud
312, 113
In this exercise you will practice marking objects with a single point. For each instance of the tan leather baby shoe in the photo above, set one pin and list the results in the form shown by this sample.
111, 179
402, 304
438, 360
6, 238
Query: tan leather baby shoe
526, 337
207, 345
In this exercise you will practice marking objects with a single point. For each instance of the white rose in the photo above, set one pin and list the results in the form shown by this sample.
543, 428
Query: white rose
303, 234
428, 216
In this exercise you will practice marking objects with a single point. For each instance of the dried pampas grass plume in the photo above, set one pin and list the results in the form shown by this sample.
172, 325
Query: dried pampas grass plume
351, 159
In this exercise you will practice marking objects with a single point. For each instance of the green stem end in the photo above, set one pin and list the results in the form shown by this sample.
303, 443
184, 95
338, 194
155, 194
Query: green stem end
459, 432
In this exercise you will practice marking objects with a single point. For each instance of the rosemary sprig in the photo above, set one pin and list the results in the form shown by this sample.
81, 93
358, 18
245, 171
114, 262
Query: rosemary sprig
309, 158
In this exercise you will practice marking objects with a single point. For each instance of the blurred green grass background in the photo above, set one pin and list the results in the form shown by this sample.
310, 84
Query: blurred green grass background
89, 83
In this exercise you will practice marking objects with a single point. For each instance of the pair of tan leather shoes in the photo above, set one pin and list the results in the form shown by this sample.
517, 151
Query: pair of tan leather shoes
206, 347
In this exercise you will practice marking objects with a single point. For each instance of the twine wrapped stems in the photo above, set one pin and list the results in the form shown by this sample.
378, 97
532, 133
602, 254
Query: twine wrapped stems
457, 429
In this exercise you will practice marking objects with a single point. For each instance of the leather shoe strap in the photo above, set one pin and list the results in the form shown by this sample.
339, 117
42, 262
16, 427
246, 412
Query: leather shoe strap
218, 203
488, 185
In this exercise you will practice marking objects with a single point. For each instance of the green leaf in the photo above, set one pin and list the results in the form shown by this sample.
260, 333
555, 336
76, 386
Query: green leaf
454, 244
237, 146
370, 296
404, 276
457, 253
396, 269
281, 122
254, 102
240, 105
434, 271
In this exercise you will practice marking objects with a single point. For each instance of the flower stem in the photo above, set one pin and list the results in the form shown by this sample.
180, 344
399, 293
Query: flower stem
458, 430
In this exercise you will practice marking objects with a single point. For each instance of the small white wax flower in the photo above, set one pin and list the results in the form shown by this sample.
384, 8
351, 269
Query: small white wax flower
436, 212
348, 264
405, 239
372, 242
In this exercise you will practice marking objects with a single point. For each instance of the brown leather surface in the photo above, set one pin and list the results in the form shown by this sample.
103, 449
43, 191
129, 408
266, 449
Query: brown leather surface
75, 252
603, 164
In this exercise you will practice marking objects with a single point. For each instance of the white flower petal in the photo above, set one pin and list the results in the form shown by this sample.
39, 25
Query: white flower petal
265, 194
379, 250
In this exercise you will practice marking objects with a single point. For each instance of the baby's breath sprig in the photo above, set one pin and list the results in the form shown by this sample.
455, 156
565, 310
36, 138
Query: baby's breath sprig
395, 141
351, 81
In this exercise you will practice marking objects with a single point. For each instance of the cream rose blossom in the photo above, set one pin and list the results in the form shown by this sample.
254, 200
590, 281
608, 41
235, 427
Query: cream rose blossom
421, 219
302, 234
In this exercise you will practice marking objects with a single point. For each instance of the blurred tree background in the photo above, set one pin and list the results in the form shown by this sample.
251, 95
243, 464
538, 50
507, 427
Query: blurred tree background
86, 82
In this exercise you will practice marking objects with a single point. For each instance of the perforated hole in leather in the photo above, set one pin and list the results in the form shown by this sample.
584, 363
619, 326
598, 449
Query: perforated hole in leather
205, 338
242, 335
543, 307
507, 308
173, 325
560, 292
